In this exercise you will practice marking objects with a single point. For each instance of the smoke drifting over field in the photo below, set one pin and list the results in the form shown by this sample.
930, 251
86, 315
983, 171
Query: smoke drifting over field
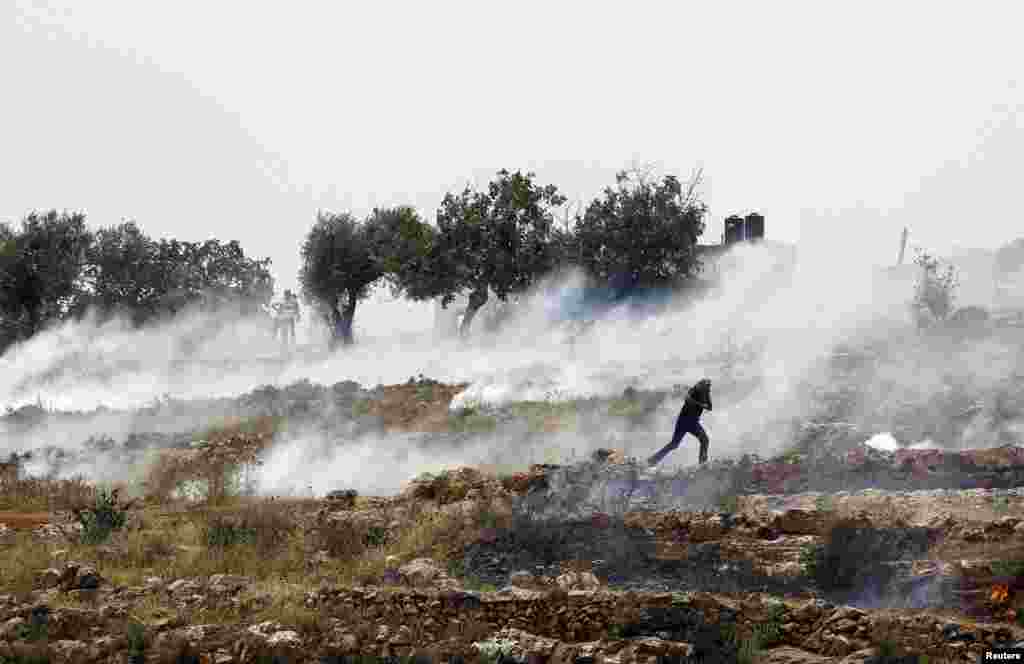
765, 337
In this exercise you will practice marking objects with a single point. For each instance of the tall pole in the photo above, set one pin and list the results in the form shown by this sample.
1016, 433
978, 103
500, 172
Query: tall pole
903, 246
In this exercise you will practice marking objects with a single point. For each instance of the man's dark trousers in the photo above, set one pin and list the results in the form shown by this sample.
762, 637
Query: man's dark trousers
684, 424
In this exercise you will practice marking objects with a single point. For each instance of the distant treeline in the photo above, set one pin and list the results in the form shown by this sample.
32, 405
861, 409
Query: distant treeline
54, 268
641, 232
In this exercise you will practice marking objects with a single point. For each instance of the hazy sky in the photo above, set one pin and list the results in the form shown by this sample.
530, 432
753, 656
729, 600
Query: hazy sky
239, 120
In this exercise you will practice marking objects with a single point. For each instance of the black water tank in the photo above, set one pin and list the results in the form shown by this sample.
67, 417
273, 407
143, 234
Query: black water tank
733, 229
754, 227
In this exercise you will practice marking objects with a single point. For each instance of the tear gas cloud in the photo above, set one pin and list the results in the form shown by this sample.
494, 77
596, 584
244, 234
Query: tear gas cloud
764, 336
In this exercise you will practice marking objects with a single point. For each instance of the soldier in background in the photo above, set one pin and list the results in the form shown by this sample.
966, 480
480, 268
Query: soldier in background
286, 313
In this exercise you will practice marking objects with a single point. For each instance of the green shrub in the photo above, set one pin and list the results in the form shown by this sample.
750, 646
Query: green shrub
136, 639
103, 518
749, 650
224, 533
1008, 567
1000, 504
32, 631
25, 659
376, 536
360, 408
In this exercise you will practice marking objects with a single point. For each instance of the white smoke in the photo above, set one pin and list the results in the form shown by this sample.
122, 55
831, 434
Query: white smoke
763, 336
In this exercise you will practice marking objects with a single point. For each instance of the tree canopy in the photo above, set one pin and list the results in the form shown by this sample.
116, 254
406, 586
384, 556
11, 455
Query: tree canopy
40, 267
341, 261
641, 233
128, 272
495, 240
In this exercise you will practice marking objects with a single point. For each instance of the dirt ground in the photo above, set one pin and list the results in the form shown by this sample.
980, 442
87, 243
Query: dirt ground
415, 407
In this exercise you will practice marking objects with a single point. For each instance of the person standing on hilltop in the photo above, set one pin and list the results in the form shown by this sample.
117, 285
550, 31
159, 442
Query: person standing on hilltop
287, 312
698, 399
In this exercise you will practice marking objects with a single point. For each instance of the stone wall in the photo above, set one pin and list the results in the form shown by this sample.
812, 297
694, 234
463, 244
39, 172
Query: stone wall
561, 626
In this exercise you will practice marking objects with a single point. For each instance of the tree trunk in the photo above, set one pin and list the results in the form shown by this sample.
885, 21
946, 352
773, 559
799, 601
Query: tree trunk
348, 314
477, 299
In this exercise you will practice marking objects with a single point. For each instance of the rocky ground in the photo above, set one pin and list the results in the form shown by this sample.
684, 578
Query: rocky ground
800, 577
848, 555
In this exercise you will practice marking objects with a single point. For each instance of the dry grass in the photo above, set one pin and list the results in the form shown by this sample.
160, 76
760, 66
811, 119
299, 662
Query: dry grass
43, 495
23, 558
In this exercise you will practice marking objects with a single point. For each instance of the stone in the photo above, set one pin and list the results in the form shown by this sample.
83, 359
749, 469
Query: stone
578, 581
424, 572
801, 522
522, 579
68, 651
790, 655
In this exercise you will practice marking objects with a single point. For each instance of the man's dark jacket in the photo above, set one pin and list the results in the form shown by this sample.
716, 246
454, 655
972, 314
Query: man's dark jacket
696, 398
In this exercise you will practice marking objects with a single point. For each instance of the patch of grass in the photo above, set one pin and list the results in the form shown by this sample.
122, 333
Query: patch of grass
361, 408
471, 420
479, 586
135, 633
771, 629
626, 408
496, 651
748, 651
23, 558
1008, 567
265, 526
809, 556
547, 415
25, 659
825, 503
33, 630
728, 502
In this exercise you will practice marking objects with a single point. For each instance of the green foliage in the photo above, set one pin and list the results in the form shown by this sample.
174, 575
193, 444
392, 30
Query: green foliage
470, 419
106, 516
405, 244
376, 536
641, 232
495, 240
824, 503
537, 413
32, 631
495, 651
1008, 567
54, 267
1000, 504
148, 279
810, 554
136, 635
749, 650
360, 408
771, 630
625, 408
40, 270
222, 534
728, 502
